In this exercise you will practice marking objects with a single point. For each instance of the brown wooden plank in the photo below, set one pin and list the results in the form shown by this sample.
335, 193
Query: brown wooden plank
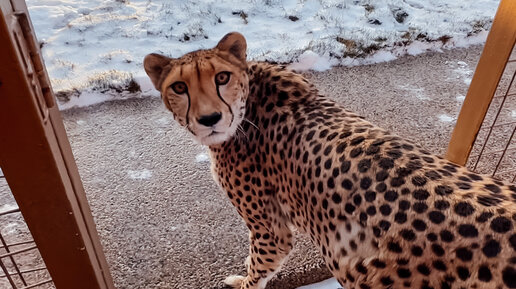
37, 162
493, 60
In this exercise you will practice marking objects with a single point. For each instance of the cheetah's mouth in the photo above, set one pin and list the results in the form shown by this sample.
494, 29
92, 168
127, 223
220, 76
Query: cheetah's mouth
215, 135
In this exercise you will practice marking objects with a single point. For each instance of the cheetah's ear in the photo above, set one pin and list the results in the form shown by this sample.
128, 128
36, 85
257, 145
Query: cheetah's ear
235, 44
155, 65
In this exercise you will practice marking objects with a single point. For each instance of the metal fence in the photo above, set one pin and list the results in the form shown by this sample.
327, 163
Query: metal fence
21, 264
494, 151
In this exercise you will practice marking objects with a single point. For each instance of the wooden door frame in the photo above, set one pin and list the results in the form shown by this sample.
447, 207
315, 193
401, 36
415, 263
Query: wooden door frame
497, 50
38, 164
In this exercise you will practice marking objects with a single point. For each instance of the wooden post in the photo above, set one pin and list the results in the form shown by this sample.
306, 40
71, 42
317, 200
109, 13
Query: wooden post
38, 164
497, 50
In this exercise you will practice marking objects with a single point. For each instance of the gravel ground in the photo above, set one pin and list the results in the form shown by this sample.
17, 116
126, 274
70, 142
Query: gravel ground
161, 218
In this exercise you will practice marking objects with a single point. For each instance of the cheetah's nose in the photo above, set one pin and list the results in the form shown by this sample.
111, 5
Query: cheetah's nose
210, 120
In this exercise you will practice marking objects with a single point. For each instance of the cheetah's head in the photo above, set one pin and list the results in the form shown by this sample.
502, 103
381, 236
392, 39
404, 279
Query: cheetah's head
206, 90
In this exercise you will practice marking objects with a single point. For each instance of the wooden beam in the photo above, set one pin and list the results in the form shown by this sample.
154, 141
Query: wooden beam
38, 164
497, 50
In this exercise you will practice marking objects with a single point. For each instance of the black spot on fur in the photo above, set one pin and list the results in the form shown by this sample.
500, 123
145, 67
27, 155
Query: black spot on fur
491, 249
386, 163
463, 273
501, 224
421, 195
378, 264
386, 281
408, 234
416, 251
446, 236
438, 250
493, 188
400, 217
464, 209
436, 217
381, 176
419, 181
464, 254
443, 190
509, 277
441, 205
484, 217
391, 196
394, 247
385, 210
468, 231
512, 241
404, 205
370, 196
484, 274
364, 165
491, 200
420, 207
404, 273
439, 265
419, 225
423, 269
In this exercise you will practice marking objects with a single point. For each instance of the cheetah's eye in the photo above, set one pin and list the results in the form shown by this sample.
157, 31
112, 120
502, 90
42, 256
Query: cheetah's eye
179, 87
222, 78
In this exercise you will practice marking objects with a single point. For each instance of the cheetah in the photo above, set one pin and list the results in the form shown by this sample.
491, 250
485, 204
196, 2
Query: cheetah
383, 212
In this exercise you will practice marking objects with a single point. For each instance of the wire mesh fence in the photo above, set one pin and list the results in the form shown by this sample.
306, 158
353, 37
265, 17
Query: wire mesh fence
21, 265
494, 151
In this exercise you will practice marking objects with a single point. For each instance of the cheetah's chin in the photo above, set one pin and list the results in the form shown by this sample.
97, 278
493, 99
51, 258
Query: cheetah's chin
214, 138
218, 137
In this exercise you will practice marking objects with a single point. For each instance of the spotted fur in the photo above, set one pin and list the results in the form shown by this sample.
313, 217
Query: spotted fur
384, 212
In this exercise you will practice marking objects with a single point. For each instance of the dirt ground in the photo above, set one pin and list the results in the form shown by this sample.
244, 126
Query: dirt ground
162, 220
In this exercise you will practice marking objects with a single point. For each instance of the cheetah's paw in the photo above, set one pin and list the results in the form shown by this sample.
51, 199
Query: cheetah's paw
234, 281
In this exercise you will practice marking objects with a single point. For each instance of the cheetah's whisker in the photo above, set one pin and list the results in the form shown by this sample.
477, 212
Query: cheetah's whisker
250, 122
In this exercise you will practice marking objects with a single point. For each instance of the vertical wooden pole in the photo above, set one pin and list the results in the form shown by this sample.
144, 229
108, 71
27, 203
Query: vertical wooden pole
38, 164
497, 50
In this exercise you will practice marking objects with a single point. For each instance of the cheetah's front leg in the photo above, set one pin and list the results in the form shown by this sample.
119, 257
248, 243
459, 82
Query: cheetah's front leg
268, 250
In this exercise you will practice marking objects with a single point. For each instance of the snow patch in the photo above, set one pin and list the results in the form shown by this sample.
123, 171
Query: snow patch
463, 71
460, 98
419, 47
85, 99
163, 121
446, 118
513, 113
417, 92
100, 42
8, 207
326, 284
140, 174
310, 60
202, 158
380, 56
10, 228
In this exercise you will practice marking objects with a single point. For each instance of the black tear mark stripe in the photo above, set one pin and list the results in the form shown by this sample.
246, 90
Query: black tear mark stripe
229, 107
188, 110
